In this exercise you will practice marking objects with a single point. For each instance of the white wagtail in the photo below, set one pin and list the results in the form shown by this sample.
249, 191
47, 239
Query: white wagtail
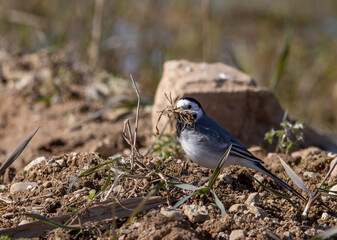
206, 141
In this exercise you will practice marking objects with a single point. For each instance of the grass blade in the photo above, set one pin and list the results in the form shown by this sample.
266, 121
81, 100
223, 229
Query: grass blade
145, 201
50, 222
281, 63
16, 153
294, 177
106, 184
181, 201
219, 167
328, 174
219, 204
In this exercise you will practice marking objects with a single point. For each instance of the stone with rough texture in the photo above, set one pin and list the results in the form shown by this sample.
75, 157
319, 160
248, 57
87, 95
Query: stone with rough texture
174, 214
232, 98
196, 213
22, 186
252, 198
238, 235
34, 162
244, 208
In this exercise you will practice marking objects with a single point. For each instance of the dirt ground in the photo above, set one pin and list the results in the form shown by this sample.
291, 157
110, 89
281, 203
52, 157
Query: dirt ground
61, 97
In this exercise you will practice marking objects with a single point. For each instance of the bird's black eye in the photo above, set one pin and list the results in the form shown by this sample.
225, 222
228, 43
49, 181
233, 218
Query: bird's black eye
189, 106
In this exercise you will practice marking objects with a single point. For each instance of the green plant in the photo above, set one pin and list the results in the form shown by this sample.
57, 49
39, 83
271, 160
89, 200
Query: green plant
288, 137
205, 190
167, 146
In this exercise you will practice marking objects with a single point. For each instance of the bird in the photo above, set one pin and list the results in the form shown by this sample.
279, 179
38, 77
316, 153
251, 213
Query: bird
205, 141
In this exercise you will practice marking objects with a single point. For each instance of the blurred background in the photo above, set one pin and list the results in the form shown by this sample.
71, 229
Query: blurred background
287, 46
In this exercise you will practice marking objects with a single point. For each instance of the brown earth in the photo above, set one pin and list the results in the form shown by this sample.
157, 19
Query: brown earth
68, 140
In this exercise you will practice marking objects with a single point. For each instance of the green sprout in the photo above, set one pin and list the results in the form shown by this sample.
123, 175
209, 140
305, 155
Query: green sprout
167, 147
288, 137
205, 190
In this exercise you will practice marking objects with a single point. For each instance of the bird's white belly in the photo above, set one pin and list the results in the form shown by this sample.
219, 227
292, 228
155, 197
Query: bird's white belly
207, 158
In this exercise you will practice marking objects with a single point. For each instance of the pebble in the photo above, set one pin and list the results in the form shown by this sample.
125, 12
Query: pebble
325, 216
222, 235
259, 177
23, 222
22, 186
288, 235
47, 184
334, 188
174, 214
49, 200
226, 178
34, 162
196, 213
252, 198
310, 174
3, 187
244, 208
135, 225
237, 235
8, 215
61, 163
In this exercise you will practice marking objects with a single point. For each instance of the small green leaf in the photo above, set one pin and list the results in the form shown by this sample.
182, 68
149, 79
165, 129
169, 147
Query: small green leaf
296, 179
92, 193
181, 201
219, 167
219, 204
50, 222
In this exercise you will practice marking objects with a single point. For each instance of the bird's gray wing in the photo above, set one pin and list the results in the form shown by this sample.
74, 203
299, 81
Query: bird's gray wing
207, 125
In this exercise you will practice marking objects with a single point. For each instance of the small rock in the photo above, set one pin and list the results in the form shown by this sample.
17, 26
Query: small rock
310, 174
257, 211
196, 213
49, 200
325, 216
226, 178
122, 237
334, 188
237, 235
135, 225
222, 236
47, 184
259, 177
252, 198
61, 162
23, 222
22, 186
334, 171
8, 215
174, 214
3, 187
34, 162
288, 235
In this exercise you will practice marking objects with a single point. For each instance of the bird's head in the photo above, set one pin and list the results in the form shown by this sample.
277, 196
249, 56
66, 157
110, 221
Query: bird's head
187, 103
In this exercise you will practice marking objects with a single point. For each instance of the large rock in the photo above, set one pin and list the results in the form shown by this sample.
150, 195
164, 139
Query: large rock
229, 96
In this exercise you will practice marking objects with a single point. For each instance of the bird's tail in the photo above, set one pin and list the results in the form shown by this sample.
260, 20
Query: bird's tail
262, 169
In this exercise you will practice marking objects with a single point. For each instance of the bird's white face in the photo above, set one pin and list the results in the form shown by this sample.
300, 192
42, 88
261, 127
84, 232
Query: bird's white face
191, 104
